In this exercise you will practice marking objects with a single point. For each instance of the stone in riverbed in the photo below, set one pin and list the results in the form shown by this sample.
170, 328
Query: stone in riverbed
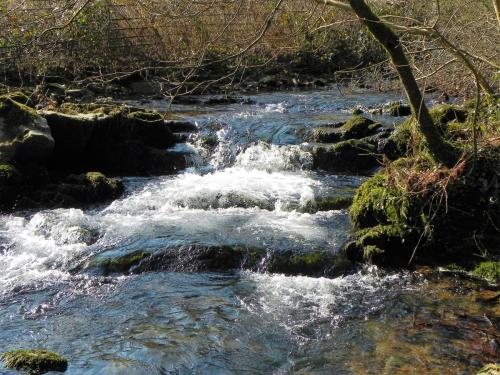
24, 135
352, 156
202, 258
117, 141
325, 204
397, 109
355, 128
34, 361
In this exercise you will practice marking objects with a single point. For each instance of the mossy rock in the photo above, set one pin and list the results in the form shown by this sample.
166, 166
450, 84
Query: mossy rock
489, 271
35, 361
325, 204
353, 156
24, 135
388, 245
376, 203
397, 109
490, 369
327, 133
317, 264
355, 128
445, 113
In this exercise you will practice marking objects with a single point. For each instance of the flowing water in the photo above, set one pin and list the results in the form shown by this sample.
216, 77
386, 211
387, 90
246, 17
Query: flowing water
244, 191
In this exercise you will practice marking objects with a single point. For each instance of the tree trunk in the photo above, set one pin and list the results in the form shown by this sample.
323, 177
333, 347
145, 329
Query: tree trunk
438, 147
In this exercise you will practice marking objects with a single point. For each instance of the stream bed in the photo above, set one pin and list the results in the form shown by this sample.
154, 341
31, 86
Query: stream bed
245, 190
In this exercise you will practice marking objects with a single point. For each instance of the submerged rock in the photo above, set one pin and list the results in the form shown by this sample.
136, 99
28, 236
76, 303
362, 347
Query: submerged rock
35, 361
325, 204
202, 258
352, 156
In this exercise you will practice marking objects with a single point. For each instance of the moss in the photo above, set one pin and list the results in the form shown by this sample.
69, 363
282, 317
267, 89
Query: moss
326, 134
146, 116
490, 369
100, 181
397, 109
124, 263
310, 264
35, 361
446, 113
375, 203
326, 204
352, 156
359, 127
489, 271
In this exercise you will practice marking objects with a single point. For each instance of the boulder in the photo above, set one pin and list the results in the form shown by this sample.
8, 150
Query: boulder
353, 156
24, 135
35, 361
355, 128
203, 258
119, 141
325, 204
397, 109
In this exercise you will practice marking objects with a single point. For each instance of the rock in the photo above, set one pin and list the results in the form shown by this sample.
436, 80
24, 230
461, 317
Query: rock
399, 142
356, 111
182, 126
116, 141
325, 204
37, 188
355, 128
144, 88
387, 245
24, 135
80, 95
352, 156
35, 361
209, 141
315, 264
269, 81
201, 258
397, 109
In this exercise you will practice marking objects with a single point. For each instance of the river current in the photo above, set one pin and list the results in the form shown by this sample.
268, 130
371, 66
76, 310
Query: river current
244, 191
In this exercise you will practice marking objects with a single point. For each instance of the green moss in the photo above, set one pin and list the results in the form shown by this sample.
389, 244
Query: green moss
490, 369
446, 113
489, 271
146, 116
325, 204
124, 263
35, 361
375, 203
397, 109
359, 127
311, 264
99, 181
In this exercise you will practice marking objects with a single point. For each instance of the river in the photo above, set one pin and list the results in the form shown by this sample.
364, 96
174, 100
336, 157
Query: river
245, 191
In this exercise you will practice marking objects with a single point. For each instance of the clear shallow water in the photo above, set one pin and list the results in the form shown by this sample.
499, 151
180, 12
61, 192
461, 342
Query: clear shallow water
244, 192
